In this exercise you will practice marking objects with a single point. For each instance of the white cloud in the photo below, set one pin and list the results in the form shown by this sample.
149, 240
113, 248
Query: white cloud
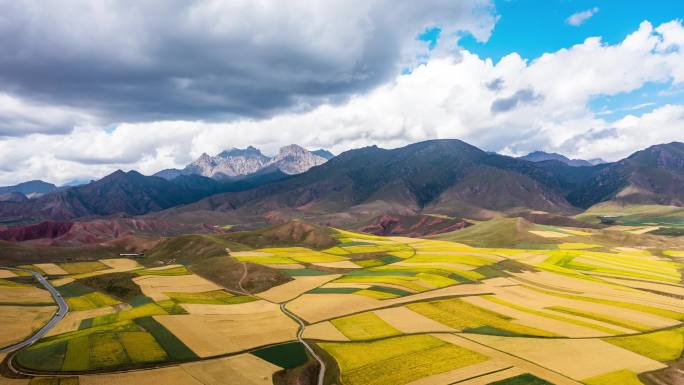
215, 59
577, 19
451, 96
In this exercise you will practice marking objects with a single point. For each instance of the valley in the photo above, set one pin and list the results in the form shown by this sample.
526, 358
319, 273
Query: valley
453, 308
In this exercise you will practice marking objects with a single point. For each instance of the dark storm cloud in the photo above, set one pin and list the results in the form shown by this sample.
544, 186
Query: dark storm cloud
518, 98
172, 59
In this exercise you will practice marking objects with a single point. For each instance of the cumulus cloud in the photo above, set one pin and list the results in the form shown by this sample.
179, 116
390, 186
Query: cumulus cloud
450, 96
20, 117
577, 19
214, 60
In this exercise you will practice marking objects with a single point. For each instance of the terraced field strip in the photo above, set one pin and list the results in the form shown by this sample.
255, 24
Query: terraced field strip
464, 316
626, 317
553, 323
609, 299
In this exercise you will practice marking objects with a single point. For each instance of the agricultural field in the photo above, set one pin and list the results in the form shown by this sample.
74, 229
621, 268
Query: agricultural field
375, 310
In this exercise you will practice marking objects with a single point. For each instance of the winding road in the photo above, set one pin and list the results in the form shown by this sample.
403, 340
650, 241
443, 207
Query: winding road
321, 373
300, 331
59, 315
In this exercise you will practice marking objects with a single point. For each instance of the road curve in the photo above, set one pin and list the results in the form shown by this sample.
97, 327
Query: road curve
59, 315
321, 373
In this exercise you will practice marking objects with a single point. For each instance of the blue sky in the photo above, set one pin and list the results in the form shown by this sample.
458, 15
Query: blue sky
532, 28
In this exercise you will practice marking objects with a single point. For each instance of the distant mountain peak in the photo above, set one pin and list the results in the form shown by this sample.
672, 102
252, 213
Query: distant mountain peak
541, 156
239, 162
295, 159
323, 153
31, 187
246, 152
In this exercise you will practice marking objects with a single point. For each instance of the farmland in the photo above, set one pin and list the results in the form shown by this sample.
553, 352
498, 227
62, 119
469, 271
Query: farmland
377, 310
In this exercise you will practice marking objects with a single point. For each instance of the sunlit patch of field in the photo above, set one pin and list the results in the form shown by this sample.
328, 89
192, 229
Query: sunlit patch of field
549, 234
607, 316
165, 270
590, 357
398, 360
216, 297
674, 253
15, 293
91, 300
19, 322
83, 267
466, 317
120, 264
111, 346
666, 345
213, 334
50, 269
577, 246
619, 377
632, 265
74, 319
244, 369
155, 286
324, 331
409, 321
296, 287
6, 274
364, 326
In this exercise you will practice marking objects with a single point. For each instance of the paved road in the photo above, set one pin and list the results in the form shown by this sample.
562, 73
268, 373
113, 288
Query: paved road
63, 309
321, 373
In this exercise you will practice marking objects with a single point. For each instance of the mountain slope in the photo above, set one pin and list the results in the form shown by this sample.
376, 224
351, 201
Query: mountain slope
128, 193
432, 176
651, 176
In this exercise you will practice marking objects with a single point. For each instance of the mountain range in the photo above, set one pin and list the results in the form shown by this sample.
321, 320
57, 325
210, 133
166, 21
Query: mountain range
541, 156
237, 163
439, 177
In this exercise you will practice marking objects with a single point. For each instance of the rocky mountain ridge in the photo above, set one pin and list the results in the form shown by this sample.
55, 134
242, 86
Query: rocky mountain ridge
236, 163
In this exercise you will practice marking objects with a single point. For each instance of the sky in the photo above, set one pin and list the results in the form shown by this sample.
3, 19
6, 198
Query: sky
90, 87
